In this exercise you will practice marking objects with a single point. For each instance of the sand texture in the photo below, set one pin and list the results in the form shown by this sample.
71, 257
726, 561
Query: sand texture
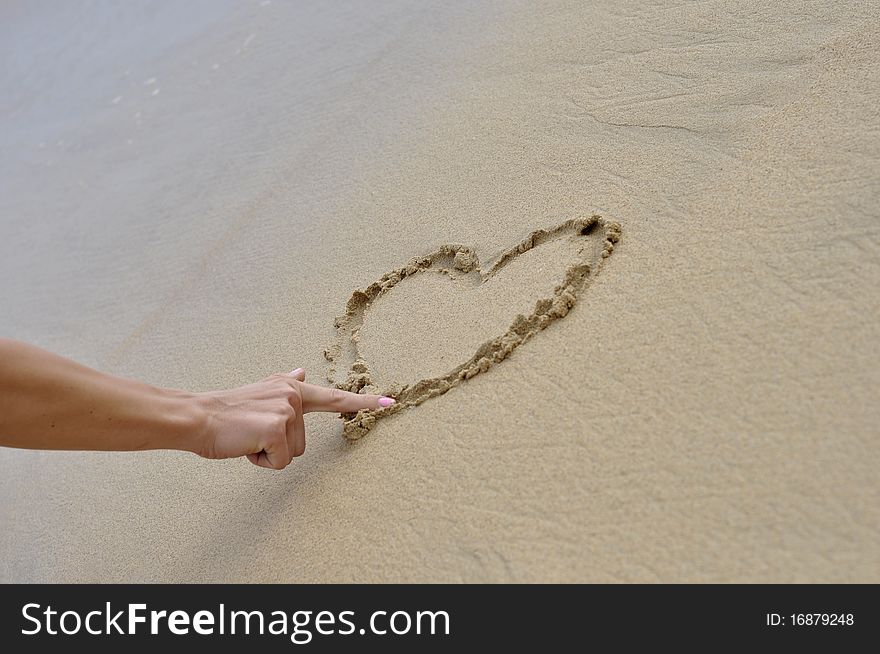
191, 193
453, 261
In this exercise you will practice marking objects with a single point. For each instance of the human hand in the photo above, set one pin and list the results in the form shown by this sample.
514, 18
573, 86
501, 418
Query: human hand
264, 421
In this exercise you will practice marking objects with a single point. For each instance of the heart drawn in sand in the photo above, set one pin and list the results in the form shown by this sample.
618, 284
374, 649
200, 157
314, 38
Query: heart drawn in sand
457, 262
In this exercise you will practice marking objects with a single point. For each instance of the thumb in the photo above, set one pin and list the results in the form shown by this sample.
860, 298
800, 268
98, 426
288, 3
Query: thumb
299, 374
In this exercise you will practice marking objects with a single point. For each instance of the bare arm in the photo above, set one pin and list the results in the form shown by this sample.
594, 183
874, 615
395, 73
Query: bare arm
49, 402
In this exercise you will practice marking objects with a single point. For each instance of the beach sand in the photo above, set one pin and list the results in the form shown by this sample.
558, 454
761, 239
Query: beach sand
191, 195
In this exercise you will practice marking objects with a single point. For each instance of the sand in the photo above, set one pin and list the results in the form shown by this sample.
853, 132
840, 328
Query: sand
192, 195
590, 240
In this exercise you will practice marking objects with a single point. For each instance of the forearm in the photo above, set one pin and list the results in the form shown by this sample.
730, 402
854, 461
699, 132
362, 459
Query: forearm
49, 402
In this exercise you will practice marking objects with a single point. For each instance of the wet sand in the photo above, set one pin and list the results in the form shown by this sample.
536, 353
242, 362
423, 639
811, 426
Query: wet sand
196, 206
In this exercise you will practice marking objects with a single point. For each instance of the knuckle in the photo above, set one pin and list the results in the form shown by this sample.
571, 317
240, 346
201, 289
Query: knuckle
278, 425
286, 410
284, 404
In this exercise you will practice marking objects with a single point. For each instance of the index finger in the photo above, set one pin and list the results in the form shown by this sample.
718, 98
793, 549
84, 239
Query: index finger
318, 398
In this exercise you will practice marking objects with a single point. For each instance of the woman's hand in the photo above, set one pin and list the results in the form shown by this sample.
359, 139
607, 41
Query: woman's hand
264, 421
49, 402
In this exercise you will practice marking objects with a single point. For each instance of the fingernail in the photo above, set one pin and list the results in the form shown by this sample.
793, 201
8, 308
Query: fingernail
297, 371
385, 402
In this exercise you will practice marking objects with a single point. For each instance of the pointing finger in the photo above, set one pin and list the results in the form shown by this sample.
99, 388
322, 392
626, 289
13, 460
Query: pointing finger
318, 398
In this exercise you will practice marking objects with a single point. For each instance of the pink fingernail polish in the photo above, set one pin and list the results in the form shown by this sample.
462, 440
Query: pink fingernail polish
297, 371
385, 402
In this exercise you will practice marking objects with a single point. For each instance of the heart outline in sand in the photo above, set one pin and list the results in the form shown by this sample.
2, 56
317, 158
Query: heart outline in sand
461, 259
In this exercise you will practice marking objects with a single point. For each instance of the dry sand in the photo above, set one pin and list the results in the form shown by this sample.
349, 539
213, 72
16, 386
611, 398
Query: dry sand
195, 205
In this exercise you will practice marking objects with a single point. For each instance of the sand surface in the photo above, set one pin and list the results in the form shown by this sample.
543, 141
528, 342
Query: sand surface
191, 192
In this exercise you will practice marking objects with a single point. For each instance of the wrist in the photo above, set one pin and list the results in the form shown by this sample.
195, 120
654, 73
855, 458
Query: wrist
184, 421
